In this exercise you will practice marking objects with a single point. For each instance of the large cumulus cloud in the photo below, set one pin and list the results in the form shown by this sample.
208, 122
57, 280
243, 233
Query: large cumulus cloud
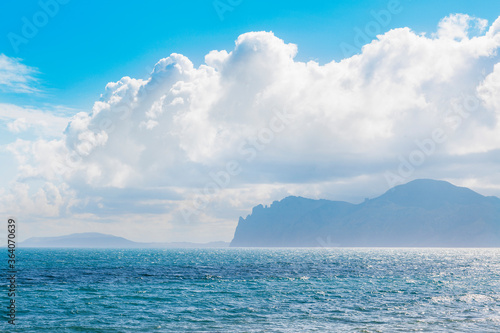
283, 126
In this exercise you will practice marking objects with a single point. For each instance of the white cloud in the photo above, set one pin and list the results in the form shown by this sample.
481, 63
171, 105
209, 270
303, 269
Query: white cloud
291, 127
15, 76
488, 91
460, 26
46, 200
49, 122
18, 125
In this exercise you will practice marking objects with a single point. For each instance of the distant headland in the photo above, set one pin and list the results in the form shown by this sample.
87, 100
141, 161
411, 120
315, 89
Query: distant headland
98, 240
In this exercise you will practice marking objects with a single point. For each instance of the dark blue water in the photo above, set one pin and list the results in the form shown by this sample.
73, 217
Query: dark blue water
257, 290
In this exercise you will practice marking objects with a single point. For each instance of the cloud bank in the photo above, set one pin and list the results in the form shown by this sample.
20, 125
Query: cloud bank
196, 147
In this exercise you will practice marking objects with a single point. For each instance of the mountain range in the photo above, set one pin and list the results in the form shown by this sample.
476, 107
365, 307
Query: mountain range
421, 213
98, 240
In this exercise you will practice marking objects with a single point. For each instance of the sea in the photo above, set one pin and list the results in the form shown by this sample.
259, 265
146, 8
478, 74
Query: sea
254, 290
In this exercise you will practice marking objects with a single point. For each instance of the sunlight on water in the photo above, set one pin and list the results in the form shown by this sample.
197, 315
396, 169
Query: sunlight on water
256, 290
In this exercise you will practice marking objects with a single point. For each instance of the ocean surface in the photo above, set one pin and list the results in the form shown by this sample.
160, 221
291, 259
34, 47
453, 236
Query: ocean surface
256, 290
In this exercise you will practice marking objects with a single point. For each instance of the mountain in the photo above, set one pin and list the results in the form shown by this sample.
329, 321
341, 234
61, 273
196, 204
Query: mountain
98, 240
421, 213
81, 240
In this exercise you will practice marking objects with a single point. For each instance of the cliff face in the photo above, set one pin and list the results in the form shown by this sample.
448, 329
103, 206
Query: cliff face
420, 213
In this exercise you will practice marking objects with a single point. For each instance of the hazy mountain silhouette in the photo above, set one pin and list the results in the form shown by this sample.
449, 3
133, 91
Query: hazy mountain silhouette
423, 212
98, 240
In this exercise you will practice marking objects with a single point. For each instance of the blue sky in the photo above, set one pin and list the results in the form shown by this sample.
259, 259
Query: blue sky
90, 43
104, 129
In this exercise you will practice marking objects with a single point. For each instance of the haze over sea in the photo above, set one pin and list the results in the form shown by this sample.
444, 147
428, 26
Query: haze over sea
257, 290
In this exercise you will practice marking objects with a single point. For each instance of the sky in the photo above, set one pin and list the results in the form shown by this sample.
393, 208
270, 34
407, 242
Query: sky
167, 121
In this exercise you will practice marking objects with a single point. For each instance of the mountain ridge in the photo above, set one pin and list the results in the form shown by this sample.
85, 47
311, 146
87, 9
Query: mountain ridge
423, 212
100, 240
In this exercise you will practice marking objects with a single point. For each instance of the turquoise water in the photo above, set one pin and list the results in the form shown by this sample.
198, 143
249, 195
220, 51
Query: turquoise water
257, 290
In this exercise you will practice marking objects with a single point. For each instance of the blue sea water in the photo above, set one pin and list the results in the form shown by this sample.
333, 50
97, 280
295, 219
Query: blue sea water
256, 290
